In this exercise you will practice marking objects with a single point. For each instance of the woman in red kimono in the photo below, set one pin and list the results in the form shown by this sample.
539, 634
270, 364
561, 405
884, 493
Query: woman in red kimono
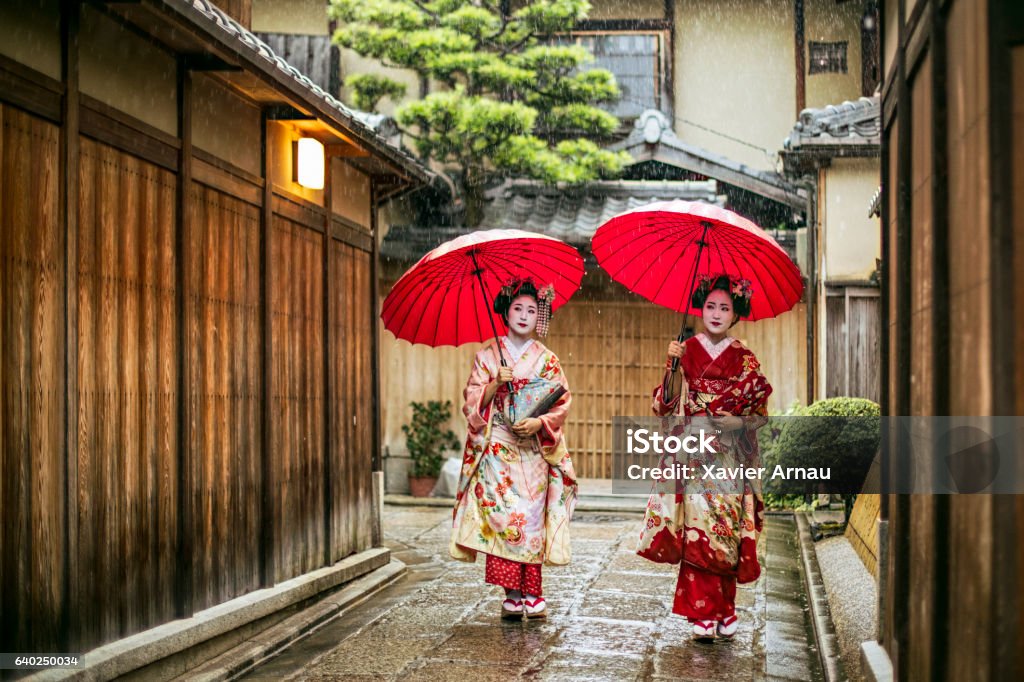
711, 530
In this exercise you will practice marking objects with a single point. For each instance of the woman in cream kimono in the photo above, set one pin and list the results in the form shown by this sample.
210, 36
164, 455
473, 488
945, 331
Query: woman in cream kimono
712, 529
517, 490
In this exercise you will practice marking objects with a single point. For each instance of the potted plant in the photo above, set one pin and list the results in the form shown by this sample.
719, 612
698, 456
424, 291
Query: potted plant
427, 439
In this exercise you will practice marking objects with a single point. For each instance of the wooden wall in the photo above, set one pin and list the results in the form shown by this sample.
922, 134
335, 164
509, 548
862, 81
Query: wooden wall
127, 494
613, 354
153, 516
31, 382
951, 601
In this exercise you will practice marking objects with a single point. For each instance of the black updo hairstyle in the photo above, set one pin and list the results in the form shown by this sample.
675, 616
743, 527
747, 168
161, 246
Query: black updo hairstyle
510, 292
740, 303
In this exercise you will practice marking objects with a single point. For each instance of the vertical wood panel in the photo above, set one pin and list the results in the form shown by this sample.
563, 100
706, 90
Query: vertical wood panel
865, 330
922, 243
188, 490
32, 380
836, 348
69, 172
224, 384
361, 407
298, 360
127, 469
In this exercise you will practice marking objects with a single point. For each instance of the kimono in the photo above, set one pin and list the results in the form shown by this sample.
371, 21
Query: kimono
516, 495
712, 533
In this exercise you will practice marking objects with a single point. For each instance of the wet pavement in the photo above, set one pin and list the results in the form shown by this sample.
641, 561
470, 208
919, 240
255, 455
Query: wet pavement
609, 617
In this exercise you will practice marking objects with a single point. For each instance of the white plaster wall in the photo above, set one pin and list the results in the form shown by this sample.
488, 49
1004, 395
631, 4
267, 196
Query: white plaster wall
829, 22
852, 240
735, 77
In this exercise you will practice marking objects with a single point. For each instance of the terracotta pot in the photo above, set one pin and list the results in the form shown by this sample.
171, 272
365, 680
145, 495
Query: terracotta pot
420, 486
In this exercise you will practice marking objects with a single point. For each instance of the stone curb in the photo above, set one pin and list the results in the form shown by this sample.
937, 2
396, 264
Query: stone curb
169, 639
821, 616
252, 652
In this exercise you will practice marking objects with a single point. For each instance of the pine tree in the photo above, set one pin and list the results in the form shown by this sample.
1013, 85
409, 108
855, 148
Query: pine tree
510, 96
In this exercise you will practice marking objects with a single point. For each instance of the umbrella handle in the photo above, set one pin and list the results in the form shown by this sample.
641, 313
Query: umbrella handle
683, 335
478, 271
701, 243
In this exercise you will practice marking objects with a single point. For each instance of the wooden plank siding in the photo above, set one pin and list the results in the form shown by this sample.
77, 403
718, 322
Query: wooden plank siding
127, 348
223, 329
613, 354
297, 327
948, 330
127, 469
351, 363
31, 375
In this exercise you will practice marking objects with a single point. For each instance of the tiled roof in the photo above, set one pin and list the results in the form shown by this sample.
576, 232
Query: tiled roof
849, 123
352, 120
875, 209
653, 139
572, 213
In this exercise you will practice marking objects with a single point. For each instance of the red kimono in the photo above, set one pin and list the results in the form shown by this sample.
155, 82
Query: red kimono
712, 534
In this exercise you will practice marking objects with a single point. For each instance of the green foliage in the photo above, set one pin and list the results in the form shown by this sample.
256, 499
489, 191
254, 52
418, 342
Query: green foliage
510, 101
369, 89
426, 438
841, 433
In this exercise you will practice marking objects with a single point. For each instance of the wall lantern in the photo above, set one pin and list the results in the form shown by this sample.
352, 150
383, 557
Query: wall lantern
308, 163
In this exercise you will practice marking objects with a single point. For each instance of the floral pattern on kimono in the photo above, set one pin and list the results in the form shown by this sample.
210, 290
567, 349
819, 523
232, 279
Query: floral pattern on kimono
716, 529
515, 496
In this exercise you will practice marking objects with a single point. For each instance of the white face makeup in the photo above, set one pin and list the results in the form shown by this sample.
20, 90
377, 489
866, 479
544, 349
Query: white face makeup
718, 313
522, 316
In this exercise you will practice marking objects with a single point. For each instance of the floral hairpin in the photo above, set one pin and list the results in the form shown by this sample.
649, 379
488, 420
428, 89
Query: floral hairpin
741, 288
738, 287
545, 299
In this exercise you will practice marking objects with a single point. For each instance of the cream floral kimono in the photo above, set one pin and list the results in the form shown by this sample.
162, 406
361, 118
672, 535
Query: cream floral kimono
516, 496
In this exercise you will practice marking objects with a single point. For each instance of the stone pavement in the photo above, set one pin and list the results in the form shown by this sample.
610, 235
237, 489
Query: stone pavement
609, 617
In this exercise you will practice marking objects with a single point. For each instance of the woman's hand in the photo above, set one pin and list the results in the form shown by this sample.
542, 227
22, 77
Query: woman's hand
504, 375
676, 350
527, 427
727, 422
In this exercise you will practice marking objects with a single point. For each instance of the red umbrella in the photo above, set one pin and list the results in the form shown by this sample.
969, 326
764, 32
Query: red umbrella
658, 250
446, 299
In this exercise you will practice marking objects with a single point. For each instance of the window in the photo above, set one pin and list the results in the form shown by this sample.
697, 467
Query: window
636, 59
828, 57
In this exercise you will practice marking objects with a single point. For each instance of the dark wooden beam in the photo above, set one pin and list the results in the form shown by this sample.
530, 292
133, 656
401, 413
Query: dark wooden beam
623, 25
268, 480
801, 66
349, 233
105, 124
901, 524
378, 464
283, 112
207, 62
70, 13
941, 321
185, 572
1006, 621
330, 443
30, 90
